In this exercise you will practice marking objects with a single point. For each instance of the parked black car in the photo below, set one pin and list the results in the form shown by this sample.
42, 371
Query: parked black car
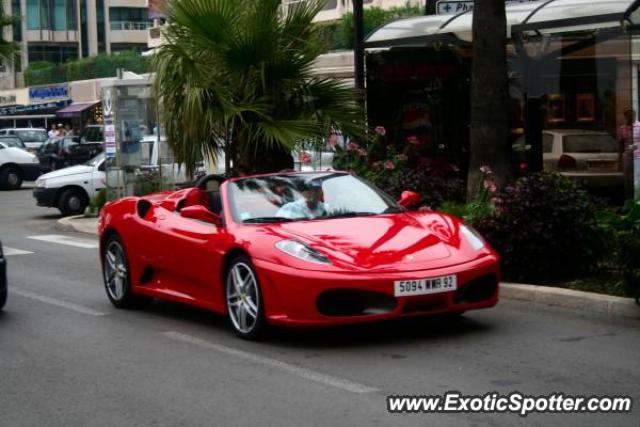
58, 153
3, 278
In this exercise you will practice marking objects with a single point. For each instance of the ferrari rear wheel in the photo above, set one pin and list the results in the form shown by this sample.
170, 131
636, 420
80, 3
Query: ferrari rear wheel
244, 302
117, 281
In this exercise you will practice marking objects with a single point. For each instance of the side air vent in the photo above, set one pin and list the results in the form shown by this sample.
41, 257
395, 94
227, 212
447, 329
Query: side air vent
143, 207
147, 275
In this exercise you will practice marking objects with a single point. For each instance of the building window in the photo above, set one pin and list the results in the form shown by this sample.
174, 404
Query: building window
84, 38
129, 18
102, 45
58, 15
16, 10
56, 54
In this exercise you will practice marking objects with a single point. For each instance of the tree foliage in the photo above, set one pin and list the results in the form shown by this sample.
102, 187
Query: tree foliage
8, 49
241, 72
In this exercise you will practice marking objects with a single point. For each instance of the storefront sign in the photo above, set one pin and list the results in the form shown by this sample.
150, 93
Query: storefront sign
110, 140
48, 92
34, 108
444, 7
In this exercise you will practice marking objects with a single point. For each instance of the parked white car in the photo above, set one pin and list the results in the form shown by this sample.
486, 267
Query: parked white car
33, 138
16, 165
70, 189
589, 157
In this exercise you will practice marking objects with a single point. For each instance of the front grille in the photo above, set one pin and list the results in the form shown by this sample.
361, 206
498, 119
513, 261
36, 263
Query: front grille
349, 302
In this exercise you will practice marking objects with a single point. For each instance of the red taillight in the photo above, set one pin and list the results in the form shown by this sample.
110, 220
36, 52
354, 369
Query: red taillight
566, 162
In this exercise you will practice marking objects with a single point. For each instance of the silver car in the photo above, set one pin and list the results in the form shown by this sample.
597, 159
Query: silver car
589, 157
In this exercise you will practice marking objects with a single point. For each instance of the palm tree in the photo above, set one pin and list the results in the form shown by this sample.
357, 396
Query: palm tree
236, 76
8, 49
489, 137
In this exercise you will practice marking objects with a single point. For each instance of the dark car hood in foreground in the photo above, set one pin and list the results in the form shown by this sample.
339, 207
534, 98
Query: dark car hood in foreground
388, 242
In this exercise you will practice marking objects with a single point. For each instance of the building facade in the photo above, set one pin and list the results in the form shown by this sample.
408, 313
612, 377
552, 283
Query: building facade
60, 30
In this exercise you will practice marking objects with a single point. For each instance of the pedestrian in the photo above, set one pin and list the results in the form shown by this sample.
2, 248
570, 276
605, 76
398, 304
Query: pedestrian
53, 132
68, 131
61, 131
628, 138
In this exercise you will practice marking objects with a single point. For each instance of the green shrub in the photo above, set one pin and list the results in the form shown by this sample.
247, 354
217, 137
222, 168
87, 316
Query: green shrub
98, 201
544, 228
621, 234
99, 66
373, 18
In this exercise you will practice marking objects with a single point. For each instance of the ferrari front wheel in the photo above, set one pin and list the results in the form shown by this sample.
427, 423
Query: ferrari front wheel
243, 298
116, 275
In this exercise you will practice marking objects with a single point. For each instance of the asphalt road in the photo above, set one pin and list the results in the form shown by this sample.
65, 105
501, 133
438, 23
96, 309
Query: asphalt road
68, 358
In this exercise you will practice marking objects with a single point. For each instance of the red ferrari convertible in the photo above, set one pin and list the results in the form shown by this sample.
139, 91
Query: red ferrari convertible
295, 249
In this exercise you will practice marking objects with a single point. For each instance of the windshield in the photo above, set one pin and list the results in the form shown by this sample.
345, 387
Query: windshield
92, 134
93, 162
32, 135
282, 198
594, 143
12, 142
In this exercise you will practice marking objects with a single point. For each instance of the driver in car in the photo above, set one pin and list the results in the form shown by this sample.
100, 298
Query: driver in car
310, 206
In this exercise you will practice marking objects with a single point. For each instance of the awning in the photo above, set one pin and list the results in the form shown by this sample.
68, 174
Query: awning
537, 17
75, 109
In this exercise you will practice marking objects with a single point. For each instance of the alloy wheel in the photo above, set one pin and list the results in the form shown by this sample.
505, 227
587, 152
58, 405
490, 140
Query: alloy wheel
242, 297
115, 270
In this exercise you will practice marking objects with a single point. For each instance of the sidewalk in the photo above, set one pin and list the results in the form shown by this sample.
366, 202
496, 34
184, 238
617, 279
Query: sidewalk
543, 295
78, 223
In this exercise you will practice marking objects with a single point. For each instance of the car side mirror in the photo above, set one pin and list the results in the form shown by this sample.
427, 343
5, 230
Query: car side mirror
409, 199
201, 213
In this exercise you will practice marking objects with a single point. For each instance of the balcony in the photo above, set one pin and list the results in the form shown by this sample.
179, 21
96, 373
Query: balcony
130, 25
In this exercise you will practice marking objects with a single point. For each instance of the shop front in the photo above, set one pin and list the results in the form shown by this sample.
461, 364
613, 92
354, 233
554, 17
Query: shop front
573, 76
32, 107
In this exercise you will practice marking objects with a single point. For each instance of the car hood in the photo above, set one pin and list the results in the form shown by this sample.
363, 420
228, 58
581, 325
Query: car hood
72, 170
392, 242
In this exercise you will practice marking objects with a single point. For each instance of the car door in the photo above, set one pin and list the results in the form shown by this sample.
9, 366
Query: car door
191, 257
98, 178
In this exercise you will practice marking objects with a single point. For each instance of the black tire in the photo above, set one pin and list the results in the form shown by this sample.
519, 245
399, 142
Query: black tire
3, 298
125, 298
10, 178
72, 202
259, 326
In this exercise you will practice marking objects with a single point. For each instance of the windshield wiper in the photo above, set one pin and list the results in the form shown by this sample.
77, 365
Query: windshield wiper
267, 219
349, 215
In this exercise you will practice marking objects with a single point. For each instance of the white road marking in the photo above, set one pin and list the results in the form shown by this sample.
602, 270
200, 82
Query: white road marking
307, 374
13, 251
66, 240
56, 302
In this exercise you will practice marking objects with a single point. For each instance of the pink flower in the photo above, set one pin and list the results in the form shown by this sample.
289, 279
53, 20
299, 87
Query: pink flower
402, 157
490, 185
485, 169
380, 130
333, 140
305, 157
352, 146
389, 165
362, 152
413, 140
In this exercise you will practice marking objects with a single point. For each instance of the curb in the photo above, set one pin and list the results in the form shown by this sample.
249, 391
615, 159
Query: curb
584, 301
68, 224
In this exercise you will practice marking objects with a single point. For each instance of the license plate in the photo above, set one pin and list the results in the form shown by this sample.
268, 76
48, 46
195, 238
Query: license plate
432, 285
603, 165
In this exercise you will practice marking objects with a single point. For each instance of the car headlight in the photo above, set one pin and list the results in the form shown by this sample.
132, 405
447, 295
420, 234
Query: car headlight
41, 183
473, 237
301, 251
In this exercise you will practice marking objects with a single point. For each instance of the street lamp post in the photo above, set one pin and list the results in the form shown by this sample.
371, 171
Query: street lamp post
358, 46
